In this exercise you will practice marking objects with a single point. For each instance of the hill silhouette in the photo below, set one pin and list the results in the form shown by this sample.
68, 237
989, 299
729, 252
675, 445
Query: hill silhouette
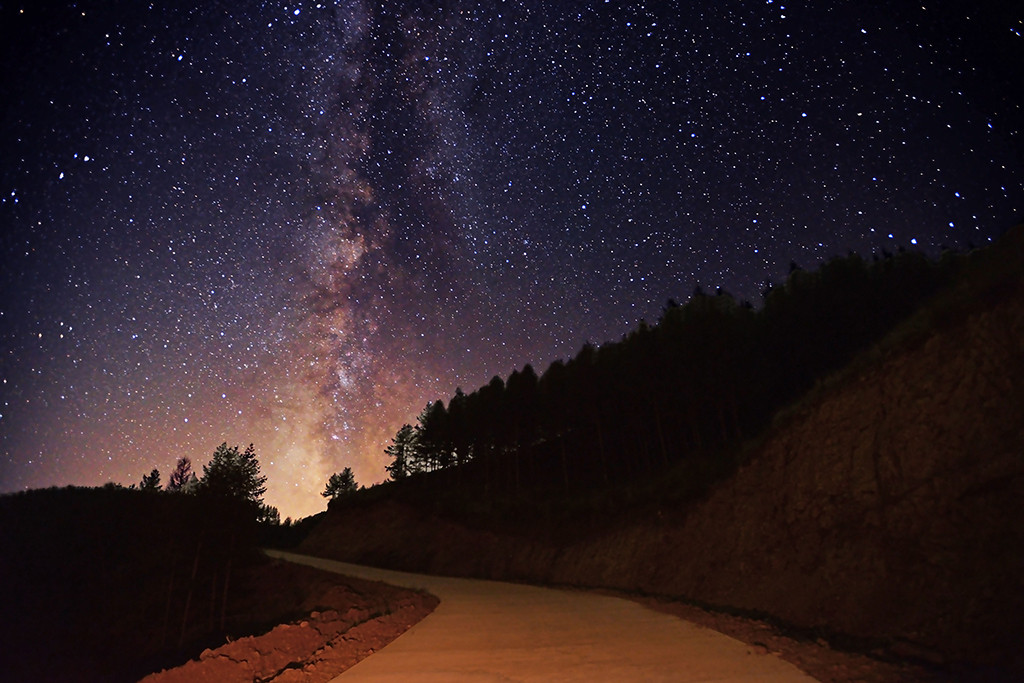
845, 459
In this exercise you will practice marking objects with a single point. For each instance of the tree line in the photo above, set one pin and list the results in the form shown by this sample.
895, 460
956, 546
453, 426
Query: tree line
160, 567
232, 476
162, 564
225, 508
224, 518
706, 376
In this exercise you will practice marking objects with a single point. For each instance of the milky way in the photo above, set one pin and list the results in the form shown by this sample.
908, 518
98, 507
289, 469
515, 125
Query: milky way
294, 224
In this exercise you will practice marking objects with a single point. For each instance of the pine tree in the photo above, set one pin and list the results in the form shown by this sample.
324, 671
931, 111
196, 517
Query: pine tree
233, 475
340, 484
433, 445
268, 514
401, 452
181, 475
150, 482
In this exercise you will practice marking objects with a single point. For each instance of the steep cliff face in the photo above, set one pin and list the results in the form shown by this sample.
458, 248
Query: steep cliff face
889, 507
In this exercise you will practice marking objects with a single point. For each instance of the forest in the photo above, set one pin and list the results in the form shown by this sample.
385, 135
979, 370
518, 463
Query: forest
113, 582
683, 395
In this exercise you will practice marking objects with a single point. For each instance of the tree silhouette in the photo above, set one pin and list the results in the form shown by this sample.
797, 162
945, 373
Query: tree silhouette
340, 484
231, 475
433, 445
268, 514
521, 417
151, 481
458, 427
552, 397
490, 426
401, 451
231, 495
588, 384
181, 476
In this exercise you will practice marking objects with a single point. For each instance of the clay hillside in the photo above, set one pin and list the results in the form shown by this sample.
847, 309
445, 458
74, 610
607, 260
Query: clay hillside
847, 459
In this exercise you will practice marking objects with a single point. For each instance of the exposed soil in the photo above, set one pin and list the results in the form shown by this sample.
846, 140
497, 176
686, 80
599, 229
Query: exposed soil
343, 620
814, 657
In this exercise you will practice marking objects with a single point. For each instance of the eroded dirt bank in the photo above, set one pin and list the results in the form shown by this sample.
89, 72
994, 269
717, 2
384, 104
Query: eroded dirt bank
316, 624
888, 510
343, 620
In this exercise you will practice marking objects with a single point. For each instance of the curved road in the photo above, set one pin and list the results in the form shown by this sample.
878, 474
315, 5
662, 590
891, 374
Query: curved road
493, 631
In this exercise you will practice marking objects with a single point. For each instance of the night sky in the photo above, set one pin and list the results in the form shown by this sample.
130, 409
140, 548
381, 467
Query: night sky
295, 223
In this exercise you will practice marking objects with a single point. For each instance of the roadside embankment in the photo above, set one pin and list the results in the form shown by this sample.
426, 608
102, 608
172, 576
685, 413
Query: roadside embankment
887, 509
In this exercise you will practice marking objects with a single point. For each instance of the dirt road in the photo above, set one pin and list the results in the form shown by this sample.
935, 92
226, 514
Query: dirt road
492, 631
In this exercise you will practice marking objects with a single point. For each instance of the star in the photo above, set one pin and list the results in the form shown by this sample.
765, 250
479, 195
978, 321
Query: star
296, 224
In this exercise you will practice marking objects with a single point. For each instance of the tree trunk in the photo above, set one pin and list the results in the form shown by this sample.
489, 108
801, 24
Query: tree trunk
227, 584
565, 467
737, 431
516, 454
188, 596
645, 452
723, 425
167, 606
695, 431
661, 436
600, 449
488, 455
211, 615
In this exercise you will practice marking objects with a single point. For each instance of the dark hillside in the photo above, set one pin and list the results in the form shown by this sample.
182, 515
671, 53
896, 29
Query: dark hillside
114, 581
112, 584
886, 506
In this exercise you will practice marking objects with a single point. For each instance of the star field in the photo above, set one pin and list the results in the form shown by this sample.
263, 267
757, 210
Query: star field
295, 223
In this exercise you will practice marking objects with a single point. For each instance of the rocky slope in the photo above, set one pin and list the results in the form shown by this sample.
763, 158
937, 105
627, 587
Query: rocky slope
888, 507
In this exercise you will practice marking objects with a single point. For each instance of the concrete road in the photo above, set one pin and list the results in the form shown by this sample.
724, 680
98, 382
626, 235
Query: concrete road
493, 631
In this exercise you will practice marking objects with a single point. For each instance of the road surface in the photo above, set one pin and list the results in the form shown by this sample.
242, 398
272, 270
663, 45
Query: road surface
494, 631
